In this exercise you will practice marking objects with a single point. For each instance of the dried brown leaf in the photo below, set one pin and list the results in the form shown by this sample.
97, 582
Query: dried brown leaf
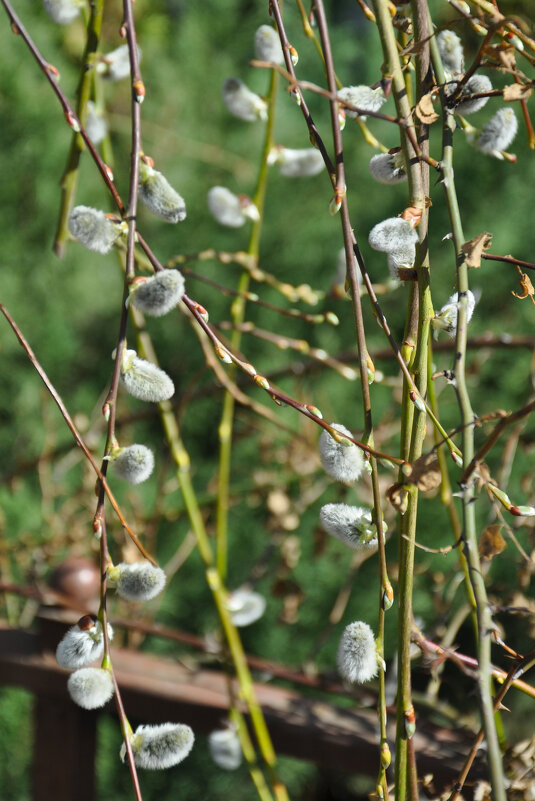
398, 497
425, 472
474, 249
527, 287
516, 91
503, 53
425, 111
491, 542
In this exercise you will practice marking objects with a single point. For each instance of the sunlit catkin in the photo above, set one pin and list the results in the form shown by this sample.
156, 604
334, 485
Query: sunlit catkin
62, 11
243, 103
230, 209
388, 168
446, 318
343, 461
160, 747
93, 229
245, 606
139, 581
267, 46
498, 133
159, 294
115, 65
451, 52
96, 126
90, 688
143, 380
158, 195
397, 238
225, 748
363, 98
357, 654
297, 163
475, 85
352, 525
82, 644
134, 463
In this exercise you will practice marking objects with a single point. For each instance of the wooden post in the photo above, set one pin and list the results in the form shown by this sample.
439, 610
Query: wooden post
64, 751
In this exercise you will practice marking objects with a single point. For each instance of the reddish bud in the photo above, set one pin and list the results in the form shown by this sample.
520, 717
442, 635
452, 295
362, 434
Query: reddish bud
139, 91
72, 121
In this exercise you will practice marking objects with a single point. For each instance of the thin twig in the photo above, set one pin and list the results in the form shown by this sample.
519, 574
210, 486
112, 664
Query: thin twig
74, 431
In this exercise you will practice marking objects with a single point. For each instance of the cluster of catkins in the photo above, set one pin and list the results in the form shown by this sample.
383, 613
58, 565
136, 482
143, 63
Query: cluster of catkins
234, 210
153, 747
154, 296
498, 133
352, 525
397, 236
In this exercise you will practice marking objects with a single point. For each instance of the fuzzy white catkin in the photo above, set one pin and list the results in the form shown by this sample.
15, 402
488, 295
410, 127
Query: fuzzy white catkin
352, 525
82, 644
243, 103
451, 51
115, 65
160, 747
267, 46
363, 98
143, 380
134, 463
245, 606
387, 168
297, 163
225, 749
62, 11
475, 85
357, 655
90, 688
139, 581
498, 133
96, 126
342, 462
402, 258
397, 238
392, 234
158, 195
92, 229
159, 294
230, 209
446, 318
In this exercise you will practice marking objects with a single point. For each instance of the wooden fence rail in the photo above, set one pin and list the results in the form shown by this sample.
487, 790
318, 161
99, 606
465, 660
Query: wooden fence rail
157, 690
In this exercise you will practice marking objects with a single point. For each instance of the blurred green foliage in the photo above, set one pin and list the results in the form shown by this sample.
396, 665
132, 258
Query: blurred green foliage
68, 310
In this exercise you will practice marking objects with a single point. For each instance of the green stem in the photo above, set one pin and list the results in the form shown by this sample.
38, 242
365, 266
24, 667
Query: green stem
238, 316
69, 179
385, 590
413, 420
485, 624
219, 592
446, 495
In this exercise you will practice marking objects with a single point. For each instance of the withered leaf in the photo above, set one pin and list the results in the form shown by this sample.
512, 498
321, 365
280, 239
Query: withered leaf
516, 91
503, 53
425, 111
474, 249
527, 287
425, 472
491, 542
483, 475
398, 497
